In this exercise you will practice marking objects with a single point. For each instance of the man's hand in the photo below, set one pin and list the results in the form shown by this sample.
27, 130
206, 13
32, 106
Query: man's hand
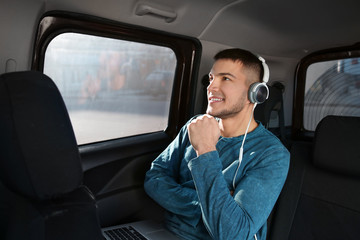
204, 133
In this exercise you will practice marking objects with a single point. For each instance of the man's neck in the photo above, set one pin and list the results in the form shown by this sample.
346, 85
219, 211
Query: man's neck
236, 125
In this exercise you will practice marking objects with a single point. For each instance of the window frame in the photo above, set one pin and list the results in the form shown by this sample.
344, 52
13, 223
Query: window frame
187, 51
298, 130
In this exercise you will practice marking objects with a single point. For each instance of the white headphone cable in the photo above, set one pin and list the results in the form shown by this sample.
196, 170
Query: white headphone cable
242, 146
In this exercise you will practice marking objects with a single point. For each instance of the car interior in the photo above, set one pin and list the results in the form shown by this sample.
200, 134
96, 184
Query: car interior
91, 92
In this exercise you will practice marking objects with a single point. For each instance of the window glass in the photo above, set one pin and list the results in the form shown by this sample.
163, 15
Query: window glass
112, 88
332, 88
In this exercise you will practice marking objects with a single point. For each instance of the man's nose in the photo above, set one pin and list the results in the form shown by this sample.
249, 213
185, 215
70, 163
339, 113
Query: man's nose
214, 84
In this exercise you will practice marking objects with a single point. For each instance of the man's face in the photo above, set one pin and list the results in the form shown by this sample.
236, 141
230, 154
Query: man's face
227, 90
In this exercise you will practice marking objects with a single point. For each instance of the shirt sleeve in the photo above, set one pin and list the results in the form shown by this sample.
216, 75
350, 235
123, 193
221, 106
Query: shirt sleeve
239, 216
162, 185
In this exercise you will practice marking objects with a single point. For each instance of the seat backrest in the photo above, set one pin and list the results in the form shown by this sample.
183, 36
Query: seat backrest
274, 104
39, 154
40, 167
321, 197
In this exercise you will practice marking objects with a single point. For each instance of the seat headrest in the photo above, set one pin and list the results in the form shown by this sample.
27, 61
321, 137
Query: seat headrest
39, 156
337, 145
263, 111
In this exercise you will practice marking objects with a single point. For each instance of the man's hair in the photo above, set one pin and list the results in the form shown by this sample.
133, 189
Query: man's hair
250, 61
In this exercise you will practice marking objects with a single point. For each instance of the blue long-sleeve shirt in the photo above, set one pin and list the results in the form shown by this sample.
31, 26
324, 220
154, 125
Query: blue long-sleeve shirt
195, 191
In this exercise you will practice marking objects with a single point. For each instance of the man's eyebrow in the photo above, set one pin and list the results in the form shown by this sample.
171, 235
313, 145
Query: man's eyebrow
226, 74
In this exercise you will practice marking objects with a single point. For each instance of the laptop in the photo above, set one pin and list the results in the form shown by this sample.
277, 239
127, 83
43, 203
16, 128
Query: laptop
142, 230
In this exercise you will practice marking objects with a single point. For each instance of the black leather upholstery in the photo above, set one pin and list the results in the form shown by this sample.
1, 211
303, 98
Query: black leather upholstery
321, 196
274, 103
40, 167
335, 150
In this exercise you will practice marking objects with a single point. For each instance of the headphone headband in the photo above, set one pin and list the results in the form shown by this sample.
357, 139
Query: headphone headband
266, 70
259, 92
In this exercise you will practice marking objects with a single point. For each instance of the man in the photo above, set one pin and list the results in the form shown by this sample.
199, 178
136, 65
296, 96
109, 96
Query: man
209, 189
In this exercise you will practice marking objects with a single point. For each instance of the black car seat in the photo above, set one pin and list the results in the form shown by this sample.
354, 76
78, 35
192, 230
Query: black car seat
42, 196
273, 105
321, 196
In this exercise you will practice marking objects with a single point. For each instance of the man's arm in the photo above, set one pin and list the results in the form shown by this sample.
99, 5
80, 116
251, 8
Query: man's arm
162, 184
239, 216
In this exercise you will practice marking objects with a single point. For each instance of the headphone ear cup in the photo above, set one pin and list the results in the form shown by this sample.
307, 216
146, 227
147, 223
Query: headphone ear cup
258, 92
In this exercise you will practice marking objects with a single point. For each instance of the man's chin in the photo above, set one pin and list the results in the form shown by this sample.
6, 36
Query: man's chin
213, 113
210, 112
222, 115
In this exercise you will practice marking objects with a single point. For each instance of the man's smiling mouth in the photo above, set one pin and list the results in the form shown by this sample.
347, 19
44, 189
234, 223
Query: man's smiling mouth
215, 99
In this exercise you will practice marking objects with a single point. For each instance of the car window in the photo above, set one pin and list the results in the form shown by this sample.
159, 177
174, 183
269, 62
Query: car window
331, 88
112, 88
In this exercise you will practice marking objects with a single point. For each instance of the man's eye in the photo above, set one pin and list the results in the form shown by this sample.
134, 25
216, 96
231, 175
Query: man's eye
226, 78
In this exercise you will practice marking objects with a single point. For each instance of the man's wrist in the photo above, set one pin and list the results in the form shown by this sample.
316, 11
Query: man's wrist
205, 150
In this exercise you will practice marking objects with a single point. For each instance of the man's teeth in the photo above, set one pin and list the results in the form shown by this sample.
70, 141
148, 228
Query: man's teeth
216, 99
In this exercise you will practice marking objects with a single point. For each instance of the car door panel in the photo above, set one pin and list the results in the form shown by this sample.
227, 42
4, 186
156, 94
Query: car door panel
115, 174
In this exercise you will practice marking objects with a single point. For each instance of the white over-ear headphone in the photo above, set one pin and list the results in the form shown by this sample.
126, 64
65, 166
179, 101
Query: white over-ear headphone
259, 92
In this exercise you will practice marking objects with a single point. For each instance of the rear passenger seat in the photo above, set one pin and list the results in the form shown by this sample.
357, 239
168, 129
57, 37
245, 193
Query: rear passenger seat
274, 104
321, 197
